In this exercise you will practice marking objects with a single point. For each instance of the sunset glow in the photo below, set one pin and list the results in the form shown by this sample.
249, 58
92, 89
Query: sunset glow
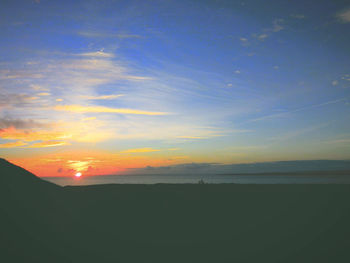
111, 87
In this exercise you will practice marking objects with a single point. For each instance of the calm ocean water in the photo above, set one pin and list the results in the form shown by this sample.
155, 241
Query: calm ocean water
194, 179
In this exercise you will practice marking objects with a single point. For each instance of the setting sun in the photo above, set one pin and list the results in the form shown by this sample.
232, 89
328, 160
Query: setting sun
78, 175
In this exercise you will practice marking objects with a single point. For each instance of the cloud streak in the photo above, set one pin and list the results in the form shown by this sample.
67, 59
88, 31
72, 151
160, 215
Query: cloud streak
103, 97
141, 150
21, 124
101, 109
12, 144
344, 16
277, 115
12, 133
15, 100
192, 137
48, 144
98, 54
94, 34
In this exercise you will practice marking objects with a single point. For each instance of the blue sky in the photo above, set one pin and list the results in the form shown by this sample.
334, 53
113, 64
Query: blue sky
170, 82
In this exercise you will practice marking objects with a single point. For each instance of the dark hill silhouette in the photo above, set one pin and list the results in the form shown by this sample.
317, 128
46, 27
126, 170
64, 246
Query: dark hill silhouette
28, 208
12, 176
42, 222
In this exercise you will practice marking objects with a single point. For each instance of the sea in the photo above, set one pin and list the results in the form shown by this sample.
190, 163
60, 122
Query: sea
207, 178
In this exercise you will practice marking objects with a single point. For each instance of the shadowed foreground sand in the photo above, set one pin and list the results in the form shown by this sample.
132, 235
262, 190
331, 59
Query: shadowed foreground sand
42, 222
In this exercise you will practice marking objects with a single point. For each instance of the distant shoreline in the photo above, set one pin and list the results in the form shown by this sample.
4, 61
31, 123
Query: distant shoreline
301, 173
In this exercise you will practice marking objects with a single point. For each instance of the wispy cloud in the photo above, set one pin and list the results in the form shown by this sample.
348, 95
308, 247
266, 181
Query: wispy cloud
43, 94
262, 36
277, 115
211, 132
94, 34
244, 41
277, 25
192, 137
173, 149
12, 144
292, 134
15, 100
100, 54
21, 124
344, 16
67, 74
12, 133
101, 109
47, 144
38, 87
19, 74
103, 97
140, 150
344, 141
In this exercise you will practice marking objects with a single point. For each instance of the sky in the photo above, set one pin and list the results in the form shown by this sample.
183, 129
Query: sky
109, 87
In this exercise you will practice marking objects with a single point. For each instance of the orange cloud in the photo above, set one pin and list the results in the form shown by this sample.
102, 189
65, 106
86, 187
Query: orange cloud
141, 150
48, 144
80, 166
100, 109
12, 144
12, 133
